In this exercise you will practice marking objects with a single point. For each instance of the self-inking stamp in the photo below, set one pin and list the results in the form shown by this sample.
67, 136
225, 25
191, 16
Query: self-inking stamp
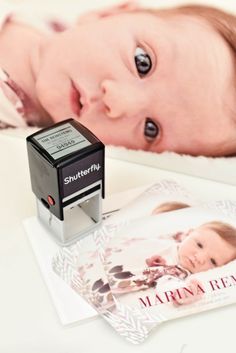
66, 164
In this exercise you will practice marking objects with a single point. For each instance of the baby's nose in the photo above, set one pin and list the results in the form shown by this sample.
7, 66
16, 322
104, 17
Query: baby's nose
200, 258
120, 100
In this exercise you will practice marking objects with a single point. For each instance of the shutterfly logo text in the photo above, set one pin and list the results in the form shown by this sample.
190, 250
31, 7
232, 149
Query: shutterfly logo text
82, 173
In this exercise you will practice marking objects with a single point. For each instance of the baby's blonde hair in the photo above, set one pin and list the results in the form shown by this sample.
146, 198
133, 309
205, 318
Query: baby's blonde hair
169, 206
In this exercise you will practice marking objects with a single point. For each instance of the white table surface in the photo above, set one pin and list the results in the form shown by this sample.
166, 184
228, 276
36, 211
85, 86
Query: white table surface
28, 321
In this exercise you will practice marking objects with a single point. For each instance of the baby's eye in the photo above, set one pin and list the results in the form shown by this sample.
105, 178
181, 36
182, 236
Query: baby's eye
151, 130
199, 245
143, 61
213, 261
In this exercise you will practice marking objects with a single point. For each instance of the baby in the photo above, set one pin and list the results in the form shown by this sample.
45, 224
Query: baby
159, 89
208, 246
211, 245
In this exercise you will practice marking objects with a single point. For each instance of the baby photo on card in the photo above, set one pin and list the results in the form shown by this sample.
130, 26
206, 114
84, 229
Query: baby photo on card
80, 266
80, 263
173, 264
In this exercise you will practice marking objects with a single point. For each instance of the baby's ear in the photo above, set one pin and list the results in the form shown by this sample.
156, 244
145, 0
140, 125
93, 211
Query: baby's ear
95, 15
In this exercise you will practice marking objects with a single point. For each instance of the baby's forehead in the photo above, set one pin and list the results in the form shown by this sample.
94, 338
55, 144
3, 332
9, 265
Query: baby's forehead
179, 19
202, 231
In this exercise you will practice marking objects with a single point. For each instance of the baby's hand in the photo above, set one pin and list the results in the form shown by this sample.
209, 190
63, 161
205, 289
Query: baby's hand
183, 299
155, 260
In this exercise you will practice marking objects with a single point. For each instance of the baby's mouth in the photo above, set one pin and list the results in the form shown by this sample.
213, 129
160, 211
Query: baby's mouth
191, 262
75, 98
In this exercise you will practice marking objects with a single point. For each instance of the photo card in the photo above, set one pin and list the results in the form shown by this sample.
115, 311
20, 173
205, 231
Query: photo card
80, 266
173, 264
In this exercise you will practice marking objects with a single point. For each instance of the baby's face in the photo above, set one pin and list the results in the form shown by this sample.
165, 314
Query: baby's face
204, 249
144, 82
